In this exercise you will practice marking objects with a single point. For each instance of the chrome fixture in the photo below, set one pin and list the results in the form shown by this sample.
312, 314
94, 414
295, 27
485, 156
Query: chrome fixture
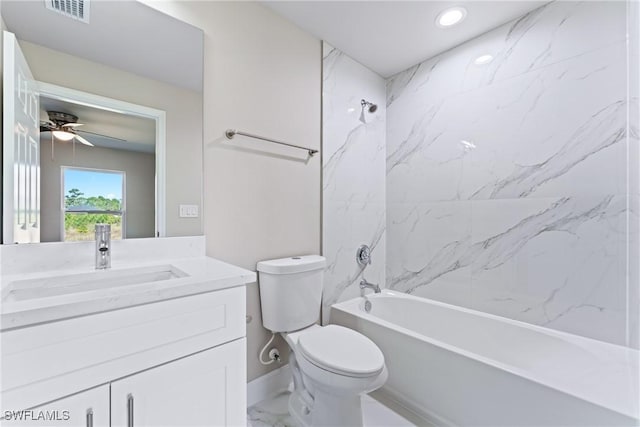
367, 305
366, 285
230, 133
103, 246
370, 106
90, 417
363, 255
130, 410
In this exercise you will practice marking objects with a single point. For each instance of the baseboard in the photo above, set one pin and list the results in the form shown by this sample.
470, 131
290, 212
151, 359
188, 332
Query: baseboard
268, 385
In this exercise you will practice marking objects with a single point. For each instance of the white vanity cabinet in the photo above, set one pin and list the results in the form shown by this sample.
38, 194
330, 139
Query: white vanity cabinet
203, 389
200, 390
87, 408
176, 362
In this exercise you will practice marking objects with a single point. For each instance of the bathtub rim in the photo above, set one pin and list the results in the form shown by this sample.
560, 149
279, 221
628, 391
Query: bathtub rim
632, 356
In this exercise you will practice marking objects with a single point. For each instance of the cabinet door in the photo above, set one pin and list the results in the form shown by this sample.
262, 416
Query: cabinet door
89, 408
204, 389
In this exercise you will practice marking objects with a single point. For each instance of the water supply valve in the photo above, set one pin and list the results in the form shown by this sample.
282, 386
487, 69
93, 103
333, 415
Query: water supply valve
274, 355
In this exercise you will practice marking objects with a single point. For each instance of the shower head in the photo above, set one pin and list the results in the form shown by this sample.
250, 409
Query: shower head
371, 107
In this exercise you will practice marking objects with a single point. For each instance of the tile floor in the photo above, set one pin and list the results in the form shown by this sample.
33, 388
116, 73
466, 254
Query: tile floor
273, 413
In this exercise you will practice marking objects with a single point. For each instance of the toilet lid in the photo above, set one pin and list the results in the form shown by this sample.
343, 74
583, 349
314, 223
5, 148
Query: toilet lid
342, 351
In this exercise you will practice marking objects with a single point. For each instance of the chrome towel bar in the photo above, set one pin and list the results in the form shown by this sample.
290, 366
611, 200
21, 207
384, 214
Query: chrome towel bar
230, 133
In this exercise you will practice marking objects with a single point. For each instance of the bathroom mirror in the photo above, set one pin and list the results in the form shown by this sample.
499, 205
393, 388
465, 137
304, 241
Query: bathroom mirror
113, 129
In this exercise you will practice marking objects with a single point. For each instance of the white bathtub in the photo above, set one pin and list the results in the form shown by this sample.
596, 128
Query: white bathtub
454, 366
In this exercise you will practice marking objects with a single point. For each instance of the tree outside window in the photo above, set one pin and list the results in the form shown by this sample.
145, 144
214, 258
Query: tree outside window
92, 197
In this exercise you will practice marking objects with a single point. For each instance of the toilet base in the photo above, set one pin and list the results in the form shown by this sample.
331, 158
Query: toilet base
328, 410
323, 398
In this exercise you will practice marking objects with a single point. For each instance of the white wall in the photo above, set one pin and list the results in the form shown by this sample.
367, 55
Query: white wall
183, 113
139, 169
353, 172
2, 28
506, 183
633, 302
262, 75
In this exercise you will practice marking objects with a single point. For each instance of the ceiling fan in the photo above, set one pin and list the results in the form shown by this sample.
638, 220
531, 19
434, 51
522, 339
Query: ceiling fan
63, 127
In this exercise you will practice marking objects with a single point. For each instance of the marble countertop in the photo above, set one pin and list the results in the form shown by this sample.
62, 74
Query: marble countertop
203, 274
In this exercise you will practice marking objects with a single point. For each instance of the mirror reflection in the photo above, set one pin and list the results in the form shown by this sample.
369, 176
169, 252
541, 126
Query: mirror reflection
112, 109
96, 166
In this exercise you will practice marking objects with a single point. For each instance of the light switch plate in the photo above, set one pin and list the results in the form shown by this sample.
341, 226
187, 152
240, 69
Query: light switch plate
189, 211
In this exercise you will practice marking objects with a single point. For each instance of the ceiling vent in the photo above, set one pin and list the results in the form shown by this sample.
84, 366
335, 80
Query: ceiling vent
75, 9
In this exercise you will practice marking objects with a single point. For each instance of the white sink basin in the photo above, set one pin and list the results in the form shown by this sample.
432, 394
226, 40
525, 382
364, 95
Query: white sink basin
22, 290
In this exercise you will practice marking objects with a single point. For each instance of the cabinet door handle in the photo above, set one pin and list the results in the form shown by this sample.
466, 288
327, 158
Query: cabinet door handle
90, 417
129, 410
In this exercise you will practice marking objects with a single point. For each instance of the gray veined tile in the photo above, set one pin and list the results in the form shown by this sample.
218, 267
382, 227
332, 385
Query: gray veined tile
548, 35
330, 58
353, 172
556, 32
412, 78
416, 140
343, 275
273, 412
537, 135
488, 250
559, 259
600, 131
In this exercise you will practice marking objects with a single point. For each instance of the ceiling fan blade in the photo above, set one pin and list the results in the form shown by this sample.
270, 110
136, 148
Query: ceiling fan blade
71, 125
47, 123
83, 141
100, 134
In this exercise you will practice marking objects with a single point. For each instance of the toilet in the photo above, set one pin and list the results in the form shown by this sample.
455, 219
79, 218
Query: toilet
332, 366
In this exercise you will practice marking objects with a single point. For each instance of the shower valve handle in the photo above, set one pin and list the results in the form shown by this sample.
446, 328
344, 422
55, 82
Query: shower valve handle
363, 255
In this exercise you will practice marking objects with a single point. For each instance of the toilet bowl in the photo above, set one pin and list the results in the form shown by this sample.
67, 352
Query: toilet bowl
335, 366
332, 366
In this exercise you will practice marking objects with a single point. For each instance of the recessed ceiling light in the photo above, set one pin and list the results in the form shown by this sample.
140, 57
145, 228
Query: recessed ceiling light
483, 59
451, 16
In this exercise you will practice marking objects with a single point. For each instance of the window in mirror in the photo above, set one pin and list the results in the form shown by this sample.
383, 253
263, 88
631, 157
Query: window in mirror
90, 197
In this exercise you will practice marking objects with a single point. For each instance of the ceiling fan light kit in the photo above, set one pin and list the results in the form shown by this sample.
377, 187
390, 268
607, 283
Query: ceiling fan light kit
62, 126
63, 135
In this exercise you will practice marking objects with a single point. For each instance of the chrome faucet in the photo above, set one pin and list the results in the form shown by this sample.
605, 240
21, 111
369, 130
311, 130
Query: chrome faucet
103, 246
366, 285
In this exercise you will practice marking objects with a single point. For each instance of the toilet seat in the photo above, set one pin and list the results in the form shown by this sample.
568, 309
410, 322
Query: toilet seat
342, 351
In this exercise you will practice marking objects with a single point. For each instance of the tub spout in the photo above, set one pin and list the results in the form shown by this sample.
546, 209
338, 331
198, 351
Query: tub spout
364, 285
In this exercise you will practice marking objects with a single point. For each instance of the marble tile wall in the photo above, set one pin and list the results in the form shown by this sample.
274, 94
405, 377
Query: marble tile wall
353, 175
507, 183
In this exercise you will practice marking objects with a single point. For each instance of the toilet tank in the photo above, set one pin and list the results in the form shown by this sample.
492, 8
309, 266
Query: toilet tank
291, 292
